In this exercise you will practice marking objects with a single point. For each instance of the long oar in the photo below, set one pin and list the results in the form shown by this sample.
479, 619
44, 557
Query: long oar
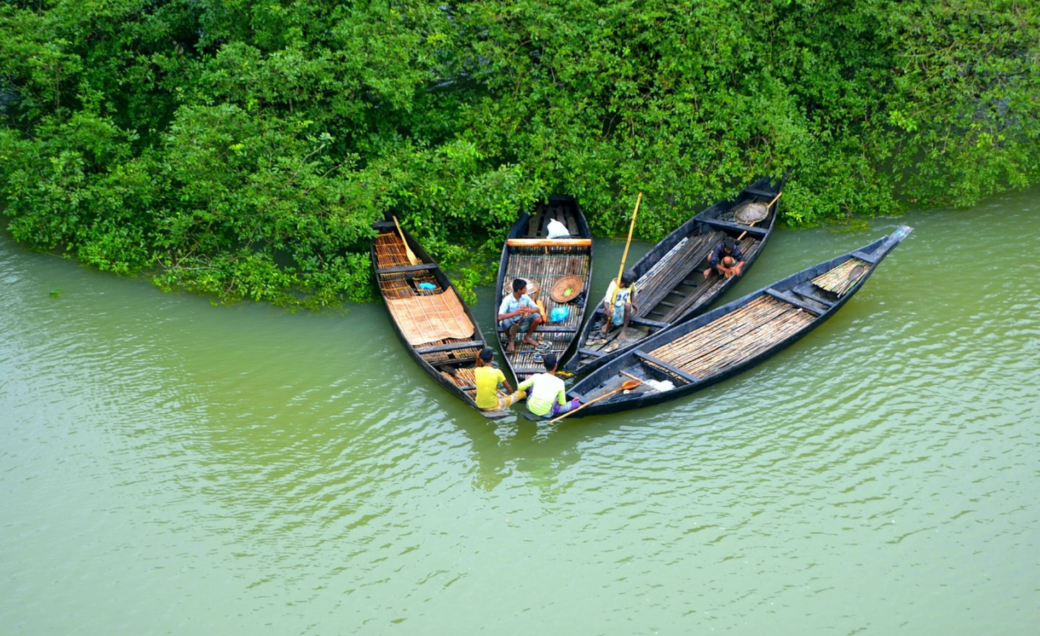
752, 224
624, 256
627, 386
407, 250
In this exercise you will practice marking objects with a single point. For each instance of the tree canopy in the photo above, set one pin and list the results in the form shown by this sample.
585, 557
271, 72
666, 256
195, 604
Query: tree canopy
243, 149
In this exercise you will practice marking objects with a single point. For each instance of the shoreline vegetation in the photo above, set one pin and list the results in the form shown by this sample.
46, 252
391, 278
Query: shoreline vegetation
244, 149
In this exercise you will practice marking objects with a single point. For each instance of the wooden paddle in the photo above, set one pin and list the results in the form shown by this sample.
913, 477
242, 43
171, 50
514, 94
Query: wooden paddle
407, 250
632, 226
752, 224
627, 386
541, 310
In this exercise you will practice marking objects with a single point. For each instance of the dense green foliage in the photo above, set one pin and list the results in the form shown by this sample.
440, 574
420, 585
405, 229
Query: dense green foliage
244, 148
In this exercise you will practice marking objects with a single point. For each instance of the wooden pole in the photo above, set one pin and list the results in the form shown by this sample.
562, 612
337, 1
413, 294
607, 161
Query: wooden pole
632, 226
407, 250
627, 386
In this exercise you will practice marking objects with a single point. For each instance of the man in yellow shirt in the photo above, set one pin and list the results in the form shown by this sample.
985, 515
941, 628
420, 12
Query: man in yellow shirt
548, 396
487, 379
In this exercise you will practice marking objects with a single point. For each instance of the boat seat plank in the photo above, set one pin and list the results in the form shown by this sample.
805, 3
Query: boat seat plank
664, 365
457, 362
811, 297
450, 346
545, 242
650, 323
544, 329
737, 227
863, 256
406, 268
761, 193
788, 298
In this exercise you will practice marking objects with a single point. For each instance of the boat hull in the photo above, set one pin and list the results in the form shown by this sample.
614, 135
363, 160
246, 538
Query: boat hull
450, 361
670, 283
528, 253
684, 354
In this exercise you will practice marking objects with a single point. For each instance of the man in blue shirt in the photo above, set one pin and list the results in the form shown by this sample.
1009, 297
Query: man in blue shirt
518, 311
726, 259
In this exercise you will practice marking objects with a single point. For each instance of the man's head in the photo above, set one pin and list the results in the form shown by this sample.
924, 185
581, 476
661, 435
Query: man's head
519, 286
487, 355
627, 278
549, 360
729, 244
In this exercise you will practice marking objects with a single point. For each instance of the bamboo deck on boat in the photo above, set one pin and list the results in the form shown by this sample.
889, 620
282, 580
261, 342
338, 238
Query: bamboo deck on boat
434, 324
527, 254
728, 341
710, 348
670, 282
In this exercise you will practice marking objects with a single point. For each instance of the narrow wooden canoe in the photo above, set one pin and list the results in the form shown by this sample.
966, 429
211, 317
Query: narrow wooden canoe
436, 327
670, 284
531, 255
717, 345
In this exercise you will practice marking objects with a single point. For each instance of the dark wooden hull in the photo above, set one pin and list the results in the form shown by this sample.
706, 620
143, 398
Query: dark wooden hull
445, 361
546, 265
670, 284
797, 303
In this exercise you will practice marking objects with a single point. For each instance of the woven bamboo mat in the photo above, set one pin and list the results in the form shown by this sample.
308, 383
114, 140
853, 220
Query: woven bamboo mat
425, 319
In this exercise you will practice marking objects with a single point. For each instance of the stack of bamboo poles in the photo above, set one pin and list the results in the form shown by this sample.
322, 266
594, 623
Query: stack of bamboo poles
463, 378
677, 265
843, 277
468, 355
734, 337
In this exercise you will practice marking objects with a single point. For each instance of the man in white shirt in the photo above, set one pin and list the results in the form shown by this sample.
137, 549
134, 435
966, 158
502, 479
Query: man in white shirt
518, 311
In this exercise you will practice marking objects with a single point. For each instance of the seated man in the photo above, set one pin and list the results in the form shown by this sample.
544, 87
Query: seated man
548, 395
620, 303
487, 379
519, 311
726, 259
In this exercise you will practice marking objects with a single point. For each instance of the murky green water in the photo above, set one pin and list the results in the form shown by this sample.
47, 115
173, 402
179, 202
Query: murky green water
171, 467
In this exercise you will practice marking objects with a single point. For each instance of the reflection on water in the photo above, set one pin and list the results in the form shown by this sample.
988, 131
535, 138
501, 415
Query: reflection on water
167, 464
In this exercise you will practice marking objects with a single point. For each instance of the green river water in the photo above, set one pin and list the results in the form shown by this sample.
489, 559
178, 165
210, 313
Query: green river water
172, 467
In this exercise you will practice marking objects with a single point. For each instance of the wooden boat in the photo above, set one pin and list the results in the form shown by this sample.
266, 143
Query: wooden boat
717, 345
529, 254
435, 325
670, 283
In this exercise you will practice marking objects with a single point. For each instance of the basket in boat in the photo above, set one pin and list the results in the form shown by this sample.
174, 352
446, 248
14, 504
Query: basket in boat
532, 288
566, 289
751, 212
